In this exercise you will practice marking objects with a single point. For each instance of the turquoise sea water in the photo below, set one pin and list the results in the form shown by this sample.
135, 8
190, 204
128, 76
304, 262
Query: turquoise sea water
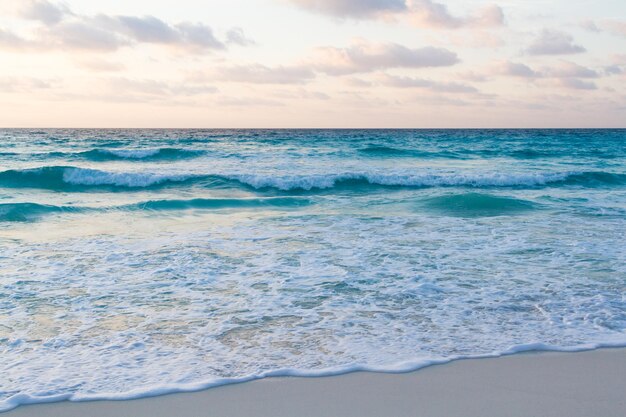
138, 262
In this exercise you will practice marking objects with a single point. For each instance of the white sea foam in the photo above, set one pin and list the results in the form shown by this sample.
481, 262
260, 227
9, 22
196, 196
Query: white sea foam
83, 176
207, 301
131, 153
398, 368
407, 178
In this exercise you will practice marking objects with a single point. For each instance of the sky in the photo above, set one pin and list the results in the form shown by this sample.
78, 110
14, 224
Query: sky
312, 63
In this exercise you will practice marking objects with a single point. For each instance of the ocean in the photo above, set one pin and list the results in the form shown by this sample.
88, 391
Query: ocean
141, 262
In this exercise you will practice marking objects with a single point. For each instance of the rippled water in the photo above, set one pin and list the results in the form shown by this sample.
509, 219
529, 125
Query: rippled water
136, 262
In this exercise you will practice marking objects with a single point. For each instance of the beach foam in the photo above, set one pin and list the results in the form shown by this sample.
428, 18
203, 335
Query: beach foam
400, 368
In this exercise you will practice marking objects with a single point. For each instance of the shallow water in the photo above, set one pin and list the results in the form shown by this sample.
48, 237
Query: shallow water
135, 262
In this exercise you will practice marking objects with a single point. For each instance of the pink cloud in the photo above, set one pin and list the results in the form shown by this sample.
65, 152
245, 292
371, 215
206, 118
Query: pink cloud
424, 13
554, 42
352, 8
366, 57
436, 15
61, 28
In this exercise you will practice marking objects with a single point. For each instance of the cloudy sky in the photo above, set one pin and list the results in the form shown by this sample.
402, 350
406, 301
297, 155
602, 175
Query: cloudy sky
313, 63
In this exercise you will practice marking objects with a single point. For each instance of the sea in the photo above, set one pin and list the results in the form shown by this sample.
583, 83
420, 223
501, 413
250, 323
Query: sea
142, 262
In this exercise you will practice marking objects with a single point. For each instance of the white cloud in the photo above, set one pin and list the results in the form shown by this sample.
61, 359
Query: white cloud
616, 27
79, 35
44, 11
197, 35
14, 84
563, 70
62, 29
613, 26
301, 93
431, 14
352, 8
261, 74
553, 42
589, 25
436, 86
100, 65
9, 40
153, 89
237, 37
571, 70
516, 69
424, 13
576, 84
366, 57
147, 29
248, 102
614, 69
566, 74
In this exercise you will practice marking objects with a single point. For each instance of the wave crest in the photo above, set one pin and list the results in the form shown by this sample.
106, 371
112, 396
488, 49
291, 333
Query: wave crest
25, 212
64, 178
387, 151
73, 178
116, 154
28, 212
139, 154
477, 205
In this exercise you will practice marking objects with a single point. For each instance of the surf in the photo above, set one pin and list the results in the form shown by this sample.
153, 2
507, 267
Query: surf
69, 178
30, 212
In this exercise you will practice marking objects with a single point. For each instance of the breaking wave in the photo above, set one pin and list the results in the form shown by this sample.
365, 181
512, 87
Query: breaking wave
71, 178
27, 212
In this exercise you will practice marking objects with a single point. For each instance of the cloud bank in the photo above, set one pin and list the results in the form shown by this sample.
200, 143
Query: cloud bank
423, 13
353, 8
420, 83
554, 42
63, 29
261, 74
387, 57
566, 74
366, 57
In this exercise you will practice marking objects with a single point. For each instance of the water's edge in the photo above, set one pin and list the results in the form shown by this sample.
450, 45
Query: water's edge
399, 368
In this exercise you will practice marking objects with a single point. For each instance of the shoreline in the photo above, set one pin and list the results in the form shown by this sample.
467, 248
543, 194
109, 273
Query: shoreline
528, 383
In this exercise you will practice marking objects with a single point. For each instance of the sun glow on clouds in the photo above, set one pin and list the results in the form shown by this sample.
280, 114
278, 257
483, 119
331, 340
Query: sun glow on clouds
324, 63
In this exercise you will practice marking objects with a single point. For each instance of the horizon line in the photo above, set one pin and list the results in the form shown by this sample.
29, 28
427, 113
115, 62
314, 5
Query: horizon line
314, 128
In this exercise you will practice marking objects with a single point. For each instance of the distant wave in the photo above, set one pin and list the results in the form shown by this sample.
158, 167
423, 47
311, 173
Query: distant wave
476, 204
219, 203
66, 178
116, 151
102, 154
381, 151
420, 180
26, 212
387, 151
530, 154
76, 179
596, 178
166, 154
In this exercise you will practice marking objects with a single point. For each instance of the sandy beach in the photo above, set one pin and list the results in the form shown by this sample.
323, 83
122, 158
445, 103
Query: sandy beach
585, 384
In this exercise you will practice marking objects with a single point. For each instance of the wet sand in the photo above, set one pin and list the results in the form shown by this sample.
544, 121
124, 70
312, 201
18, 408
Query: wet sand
584, 384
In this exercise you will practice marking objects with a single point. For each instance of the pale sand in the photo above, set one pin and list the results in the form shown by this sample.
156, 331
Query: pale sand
587, 384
